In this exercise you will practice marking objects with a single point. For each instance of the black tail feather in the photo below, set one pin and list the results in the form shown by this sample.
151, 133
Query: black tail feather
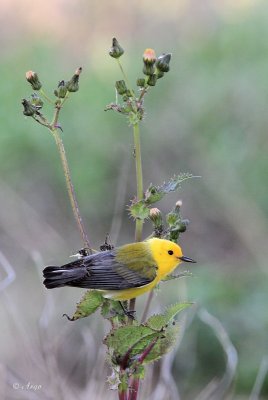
61, 276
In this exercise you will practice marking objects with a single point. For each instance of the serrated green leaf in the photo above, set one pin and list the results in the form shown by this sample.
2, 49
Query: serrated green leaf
177, 276
89, 303
112, 311
153, 194
126, 337
175, 182
160, 321
164, 344
156, 193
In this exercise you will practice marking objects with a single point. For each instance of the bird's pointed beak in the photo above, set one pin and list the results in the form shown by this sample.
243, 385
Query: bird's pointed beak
187, 259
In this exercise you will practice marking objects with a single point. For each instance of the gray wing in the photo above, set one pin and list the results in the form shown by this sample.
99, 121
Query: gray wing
102, 271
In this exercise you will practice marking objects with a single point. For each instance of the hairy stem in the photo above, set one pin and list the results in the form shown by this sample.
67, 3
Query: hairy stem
139, 178
147, 306
137, 153
133, 389
70, 188
125, 76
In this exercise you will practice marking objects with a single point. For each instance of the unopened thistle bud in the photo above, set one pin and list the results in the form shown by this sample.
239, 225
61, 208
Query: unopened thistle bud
178, 206
116, 50
37, 101
33, 79
140, 82
28, 109
172, 218
162, 62
121, 87
159, 74
152, 80
183, 225
62, 90
156, 217
72, 85
149, 59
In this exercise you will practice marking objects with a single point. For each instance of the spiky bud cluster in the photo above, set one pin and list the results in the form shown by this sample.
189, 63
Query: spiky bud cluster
153, 67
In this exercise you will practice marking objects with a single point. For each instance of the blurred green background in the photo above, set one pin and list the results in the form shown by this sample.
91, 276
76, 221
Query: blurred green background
208, 116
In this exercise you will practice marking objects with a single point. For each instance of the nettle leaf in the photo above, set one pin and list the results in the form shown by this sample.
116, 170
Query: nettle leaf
156, 193
153, 194
160, 321
164, 344
178, 275
89, 303
131, 345
123, 339
175, 182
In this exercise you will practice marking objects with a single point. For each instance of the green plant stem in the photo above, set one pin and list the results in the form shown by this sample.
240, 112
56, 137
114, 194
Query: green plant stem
147, 306
137, 154
139, 178
70, 188
125, 76
45, 96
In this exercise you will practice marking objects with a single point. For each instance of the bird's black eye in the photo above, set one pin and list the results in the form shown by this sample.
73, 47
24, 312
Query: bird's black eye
170, 252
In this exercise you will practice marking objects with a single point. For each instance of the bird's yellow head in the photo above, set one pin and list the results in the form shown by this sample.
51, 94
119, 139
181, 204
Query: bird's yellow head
168, 255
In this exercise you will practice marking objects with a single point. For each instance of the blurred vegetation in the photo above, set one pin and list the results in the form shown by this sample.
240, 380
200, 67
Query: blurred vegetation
214, 124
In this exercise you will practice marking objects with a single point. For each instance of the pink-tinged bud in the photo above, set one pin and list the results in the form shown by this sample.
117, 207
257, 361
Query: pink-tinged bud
116, 50
149, 56
33, 79
156, 217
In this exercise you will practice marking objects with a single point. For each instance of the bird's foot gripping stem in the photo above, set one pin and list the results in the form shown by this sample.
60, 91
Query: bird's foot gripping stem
129, 313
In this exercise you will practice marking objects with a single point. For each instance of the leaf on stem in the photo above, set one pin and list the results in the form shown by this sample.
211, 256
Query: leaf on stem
159, 321
156, 193
89, 303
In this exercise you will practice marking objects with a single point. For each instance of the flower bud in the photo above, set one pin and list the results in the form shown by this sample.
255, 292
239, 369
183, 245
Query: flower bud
121, 87
72, 85
33, 79
162, 62
36, 101
152, 80
182, 227
116, 50
140, 82
149, 58
156, 217
159, 74
172, 218
28, 109
178, 203
62, 90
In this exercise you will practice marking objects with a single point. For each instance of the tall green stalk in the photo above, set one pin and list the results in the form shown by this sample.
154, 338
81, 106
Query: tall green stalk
139, 177
70, 188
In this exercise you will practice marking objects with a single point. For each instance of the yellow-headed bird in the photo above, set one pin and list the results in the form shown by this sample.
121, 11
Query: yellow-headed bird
122, 273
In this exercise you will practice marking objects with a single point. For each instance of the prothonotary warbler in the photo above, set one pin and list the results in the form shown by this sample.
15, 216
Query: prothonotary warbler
122, 273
